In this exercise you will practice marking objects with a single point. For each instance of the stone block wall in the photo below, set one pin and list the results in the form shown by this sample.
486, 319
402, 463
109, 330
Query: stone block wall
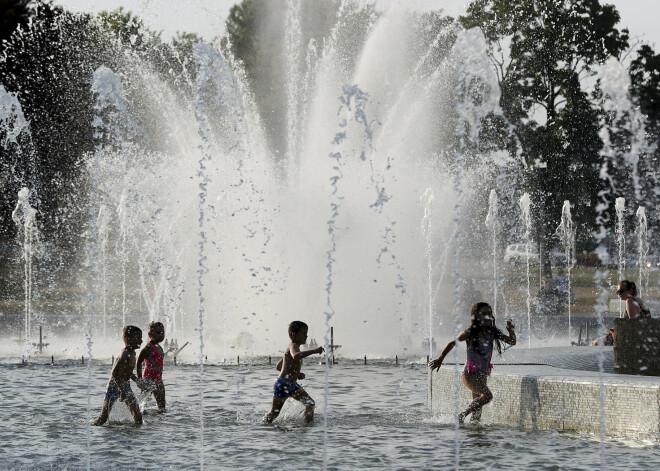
637, 346
556, 402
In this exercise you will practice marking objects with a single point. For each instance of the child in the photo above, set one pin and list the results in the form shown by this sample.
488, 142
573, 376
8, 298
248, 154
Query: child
119, 386
290, 365
152, 354
479, 338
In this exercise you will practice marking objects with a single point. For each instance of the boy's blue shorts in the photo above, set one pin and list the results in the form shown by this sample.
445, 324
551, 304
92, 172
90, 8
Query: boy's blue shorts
113, 392
283, 389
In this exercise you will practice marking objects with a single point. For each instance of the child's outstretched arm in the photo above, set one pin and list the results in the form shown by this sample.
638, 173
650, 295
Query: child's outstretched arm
437, 363
297, 354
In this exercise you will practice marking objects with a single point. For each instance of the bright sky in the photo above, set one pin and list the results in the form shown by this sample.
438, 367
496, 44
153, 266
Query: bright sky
206, 17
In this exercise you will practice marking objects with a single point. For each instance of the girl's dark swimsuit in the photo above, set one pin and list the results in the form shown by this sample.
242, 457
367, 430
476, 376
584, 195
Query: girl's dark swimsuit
480, 351
479, 354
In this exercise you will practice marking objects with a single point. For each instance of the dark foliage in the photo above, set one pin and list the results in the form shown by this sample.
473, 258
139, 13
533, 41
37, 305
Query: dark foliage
13, 13
553, 46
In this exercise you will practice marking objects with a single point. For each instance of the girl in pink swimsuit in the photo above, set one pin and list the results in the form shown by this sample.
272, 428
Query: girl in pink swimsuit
480, 338
152, 356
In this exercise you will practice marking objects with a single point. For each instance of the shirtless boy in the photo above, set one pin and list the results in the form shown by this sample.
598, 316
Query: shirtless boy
119, 386
289, 367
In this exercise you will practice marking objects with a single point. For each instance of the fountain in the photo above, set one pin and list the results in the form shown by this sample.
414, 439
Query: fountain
620, 208
427, 229
526, 219
492, 222
566, 234
25, 217
642, 248
190, 217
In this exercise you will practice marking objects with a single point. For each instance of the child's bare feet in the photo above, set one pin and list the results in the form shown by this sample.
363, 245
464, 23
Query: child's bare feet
461, 418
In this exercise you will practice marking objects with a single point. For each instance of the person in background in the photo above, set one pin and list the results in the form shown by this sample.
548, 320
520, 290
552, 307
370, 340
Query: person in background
635, 307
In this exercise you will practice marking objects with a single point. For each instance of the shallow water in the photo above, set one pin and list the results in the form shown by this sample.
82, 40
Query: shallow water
377, 418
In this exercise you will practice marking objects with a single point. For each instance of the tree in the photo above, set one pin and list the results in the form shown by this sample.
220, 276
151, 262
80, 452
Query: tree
645, 90
12, 14
542, 51
645, 80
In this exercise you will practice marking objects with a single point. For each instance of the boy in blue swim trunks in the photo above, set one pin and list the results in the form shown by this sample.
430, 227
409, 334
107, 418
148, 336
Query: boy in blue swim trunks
289, 367
119, 386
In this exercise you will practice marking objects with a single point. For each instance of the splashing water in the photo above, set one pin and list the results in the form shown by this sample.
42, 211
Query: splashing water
642, 247
566, 234
620, 208
427, 229
263, 227
526, 219
103, 228
293, 42
492, 222
25, 217
618, 106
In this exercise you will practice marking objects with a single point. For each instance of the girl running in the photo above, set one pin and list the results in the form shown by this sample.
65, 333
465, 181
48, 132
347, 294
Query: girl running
480, 338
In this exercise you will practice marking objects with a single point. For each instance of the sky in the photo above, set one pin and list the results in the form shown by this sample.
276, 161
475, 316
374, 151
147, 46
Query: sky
206, 17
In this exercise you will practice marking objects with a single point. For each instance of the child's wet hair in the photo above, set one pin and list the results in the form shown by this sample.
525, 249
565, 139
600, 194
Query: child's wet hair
297, 326
156, 324
475, 325
629, 285
476, 308
130, 331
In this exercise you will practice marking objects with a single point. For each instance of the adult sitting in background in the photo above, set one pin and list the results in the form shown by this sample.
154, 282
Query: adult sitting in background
607, 339
635, 307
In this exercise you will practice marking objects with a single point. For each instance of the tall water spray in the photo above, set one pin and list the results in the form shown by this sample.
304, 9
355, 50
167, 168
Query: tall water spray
478, 95
25, 217
12, 120
15, 134
526, 219
566, 234
426, 201
205, 98
642, 247
293, 46
336, 199
16, 140
110, 127
103, 227
620, 230
121, 249
492, 222
624, 134
600, 278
